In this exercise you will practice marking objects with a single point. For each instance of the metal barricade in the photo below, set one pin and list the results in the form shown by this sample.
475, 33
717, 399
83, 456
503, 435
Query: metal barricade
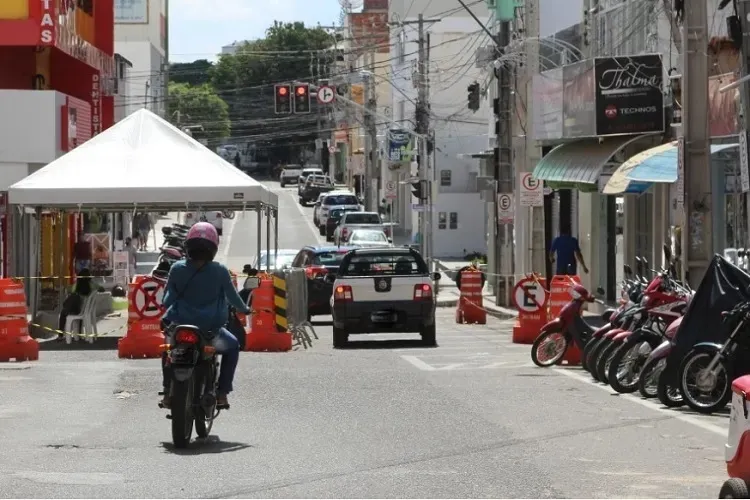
290, 304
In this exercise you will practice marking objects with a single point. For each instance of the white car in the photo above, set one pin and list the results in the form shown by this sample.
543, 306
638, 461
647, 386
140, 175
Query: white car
368, 238
335, 199
307, 172
284, 258
215, 217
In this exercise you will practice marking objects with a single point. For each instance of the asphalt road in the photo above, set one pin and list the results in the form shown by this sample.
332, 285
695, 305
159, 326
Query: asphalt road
471, 418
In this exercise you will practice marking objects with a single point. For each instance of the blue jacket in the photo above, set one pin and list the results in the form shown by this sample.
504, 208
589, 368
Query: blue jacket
198, 296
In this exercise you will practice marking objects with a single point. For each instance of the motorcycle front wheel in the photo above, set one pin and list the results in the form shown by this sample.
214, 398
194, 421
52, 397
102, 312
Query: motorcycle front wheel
589, 351
602, 364
668, 395
182, 412
704, 391
549, 348
649, 377
625, 367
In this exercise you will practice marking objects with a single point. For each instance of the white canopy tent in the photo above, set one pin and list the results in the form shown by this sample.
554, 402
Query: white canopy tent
141, 162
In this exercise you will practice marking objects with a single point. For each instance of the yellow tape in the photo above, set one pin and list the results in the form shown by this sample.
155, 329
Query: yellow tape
84, 335
21, 278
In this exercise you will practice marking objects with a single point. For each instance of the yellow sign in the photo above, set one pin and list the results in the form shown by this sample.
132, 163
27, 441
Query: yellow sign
14, 9
358, 94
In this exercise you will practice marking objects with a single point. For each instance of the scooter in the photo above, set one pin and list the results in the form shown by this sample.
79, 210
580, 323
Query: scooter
567, 330
737, 449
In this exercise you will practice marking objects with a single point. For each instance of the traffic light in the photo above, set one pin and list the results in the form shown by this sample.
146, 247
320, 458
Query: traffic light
301, 98
473, 96
418, 189
283, 99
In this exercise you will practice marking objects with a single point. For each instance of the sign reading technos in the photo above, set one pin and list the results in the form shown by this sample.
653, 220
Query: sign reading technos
47, 25
629, 95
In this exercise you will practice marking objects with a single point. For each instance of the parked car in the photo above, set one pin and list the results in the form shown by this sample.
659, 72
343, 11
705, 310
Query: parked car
336, 199
318, 261
368, 238
316, 209
214, 217
304, 174
290, 174
314, 186
355, 220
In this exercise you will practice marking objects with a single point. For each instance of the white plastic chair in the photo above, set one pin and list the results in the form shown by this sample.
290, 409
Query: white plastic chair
86, 321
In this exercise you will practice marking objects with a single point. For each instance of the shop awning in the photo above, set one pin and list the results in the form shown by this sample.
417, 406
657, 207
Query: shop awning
658, 164
578, 164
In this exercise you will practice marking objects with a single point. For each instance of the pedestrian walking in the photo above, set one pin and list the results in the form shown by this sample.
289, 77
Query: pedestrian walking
144, 230
565, 251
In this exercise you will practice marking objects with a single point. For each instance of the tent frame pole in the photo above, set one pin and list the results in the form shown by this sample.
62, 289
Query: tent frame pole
268, 239
260, 233
276, 235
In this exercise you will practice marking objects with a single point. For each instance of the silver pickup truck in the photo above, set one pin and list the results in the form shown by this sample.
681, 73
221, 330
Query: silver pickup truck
290, 174
359, 220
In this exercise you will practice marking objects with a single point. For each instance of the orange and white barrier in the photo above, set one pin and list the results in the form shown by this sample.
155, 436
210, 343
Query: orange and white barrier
264, 335
470, 308
144, 337
531, 299
15, 342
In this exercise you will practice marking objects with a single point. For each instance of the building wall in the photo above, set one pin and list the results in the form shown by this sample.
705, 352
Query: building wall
453, 44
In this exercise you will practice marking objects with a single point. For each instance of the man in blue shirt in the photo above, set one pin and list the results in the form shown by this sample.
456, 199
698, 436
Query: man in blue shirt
566, 249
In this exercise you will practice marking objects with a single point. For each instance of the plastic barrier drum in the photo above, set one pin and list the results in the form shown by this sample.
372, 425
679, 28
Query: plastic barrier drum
530, 298
264, 334
15, 342
559, 297
144, 337
470, 308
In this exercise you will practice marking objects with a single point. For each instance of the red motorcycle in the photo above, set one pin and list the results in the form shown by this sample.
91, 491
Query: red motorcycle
650, 377
569, 329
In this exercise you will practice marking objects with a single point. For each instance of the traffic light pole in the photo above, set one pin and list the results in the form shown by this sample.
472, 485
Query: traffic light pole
423, 127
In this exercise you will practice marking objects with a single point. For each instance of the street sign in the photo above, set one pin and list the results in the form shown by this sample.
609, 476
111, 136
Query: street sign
529, 296
744, 176
391, 190
419, 208
331, 149
147, 298
532, 191
681, 172
326, 95
505, 212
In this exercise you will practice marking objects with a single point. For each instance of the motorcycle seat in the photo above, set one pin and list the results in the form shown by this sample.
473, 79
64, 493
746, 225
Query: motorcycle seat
172, 248
181, 226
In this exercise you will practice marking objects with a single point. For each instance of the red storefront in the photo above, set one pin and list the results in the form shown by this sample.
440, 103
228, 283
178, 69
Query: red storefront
66, 46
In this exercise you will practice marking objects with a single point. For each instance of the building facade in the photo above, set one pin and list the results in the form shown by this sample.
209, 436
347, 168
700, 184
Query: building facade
141, 36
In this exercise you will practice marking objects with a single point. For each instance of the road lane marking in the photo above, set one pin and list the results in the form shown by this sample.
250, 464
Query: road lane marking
415, 361
647, 403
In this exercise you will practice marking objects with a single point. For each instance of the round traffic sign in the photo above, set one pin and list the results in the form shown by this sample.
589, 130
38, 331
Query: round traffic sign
529, 182
504, 202
147, 298
325, 94
332, 149
529, 296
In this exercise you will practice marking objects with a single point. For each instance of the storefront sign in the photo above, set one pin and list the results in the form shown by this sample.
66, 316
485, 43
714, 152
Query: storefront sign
96, 105
47, 31
744, 176
629, 94
547, 89
131, 11
723, 107
399, 146
579, 111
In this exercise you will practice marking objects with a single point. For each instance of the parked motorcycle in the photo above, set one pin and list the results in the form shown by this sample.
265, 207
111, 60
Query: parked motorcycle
707, 372
650, 378
567, 330
194, 367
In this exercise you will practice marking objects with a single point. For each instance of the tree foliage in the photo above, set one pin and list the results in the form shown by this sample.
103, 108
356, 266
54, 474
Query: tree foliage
199, 105
193, 73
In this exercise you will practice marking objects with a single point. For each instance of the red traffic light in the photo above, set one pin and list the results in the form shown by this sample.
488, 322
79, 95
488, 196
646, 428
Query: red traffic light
301, 90
282, 90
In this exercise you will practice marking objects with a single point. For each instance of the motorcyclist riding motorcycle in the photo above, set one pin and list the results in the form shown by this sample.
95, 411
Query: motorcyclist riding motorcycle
196, 294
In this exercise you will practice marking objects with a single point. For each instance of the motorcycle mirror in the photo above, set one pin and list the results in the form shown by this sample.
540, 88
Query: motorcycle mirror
638, 265
251, 283
627, 270
667, 253
645, 263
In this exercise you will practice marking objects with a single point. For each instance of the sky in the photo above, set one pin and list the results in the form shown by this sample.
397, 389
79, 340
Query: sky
199, 28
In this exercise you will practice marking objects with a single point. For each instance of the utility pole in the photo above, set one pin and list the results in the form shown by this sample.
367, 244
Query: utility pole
371, 139
372, 133
503, 171
743, 10
423, 127
697, 236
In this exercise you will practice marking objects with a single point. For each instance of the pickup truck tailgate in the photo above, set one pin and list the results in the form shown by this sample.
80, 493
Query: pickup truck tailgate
382, 288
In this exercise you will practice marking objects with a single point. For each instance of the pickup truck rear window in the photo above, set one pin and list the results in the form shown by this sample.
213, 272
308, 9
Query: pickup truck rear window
383, 264
341, 199
363, 218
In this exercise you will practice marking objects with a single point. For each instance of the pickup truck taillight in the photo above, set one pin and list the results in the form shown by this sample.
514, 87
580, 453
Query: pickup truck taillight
343, 293
313, 272
422, 292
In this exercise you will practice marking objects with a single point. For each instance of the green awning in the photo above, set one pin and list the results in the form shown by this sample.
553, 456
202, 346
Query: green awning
577, 165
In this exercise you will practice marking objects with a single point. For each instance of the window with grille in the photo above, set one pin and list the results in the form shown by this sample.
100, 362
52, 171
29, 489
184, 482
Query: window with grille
445, 177
454, 220
442, 220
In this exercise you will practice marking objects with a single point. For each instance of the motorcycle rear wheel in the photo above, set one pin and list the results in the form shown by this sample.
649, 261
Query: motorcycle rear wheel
724, 384
182, 412
621, 354
651, 371
559, 352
